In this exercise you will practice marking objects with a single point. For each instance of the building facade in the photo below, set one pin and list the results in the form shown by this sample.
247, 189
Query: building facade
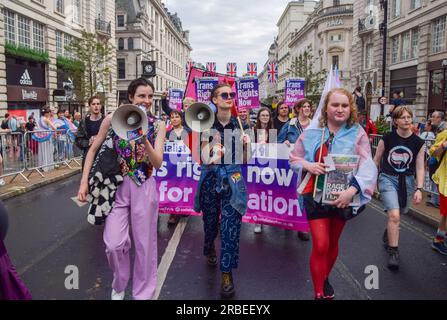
33, 37
416, 57
147, 31
327, 35
293, 19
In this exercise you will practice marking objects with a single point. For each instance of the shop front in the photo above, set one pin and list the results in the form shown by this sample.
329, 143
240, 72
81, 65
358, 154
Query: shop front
66, 94
26, 90
404, 80
437, 96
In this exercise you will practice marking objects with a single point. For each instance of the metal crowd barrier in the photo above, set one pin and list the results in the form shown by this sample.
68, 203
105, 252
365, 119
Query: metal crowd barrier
429, 186
22, 152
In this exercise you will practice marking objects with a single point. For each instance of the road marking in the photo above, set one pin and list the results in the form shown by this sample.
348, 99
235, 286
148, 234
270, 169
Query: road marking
51, 249
416, 230
169, 255
352, 281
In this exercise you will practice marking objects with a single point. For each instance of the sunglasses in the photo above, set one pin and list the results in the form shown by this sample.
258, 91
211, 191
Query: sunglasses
227, 96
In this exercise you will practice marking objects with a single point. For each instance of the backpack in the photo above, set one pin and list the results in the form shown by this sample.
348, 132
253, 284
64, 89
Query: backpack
4, 124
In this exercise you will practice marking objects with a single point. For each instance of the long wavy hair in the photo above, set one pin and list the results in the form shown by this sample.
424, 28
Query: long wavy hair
352, 107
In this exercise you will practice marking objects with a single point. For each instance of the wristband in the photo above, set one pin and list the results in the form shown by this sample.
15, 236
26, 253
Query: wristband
419, 189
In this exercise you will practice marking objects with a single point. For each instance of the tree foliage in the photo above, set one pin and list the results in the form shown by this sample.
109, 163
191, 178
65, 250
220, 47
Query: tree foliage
93, 54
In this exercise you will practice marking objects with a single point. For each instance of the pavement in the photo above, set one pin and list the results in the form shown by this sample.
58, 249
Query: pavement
17, 186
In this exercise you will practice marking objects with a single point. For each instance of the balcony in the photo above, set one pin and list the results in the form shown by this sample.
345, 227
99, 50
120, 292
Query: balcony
337, 10
365, 26
103, 27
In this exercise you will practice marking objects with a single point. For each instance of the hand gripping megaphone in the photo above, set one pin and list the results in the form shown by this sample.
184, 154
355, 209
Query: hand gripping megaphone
130, 122
200, 117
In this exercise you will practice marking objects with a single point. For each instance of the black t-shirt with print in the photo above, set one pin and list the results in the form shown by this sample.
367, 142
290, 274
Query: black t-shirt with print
400, 153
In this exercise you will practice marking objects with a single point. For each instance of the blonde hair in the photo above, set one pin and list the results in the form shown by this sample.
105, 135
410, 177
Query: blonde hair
399, 111
352, 107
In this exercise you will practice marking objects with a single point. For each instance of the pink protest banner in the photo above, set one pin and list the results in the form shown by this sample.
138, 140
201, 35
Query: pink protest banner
196, 73
271, 185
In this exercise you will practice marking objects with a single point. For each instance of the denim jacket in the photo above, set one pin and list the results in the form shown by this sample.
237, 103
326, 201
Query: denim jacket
230, 173
290, 131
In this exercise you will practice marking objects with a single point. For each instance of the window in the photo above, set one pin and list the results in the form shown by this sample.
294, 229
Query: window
10, 29
77, 11
120, 20
59, 48
414, 43
394, 49
395, 8
335, 60
130, 44
120, 44
121, 63
438, 35
336, 38
38, 36
369, 56
405, 52
59, 6
24, 31
415, 4
67, 41
336, 2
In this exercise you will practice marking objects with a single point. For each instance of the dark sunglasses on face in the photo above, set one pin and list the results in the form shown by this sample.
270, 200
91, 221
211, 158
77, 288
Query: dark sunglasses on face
228, 95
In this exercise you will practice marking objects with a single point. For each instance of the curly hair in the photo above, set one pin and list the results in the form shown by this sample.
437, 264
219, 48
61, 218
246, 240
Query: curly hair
352, 107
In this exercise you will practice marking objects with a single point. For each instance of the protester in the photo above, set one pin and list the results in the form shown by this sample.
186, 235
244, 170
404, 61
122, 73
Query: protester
397, 101
187, 102
281, 118
89, 126
77, 119
2, 181
221, 189
244, 115
342, 135
30, 127
400, 156
262, 131
45, 136
136, 199
359, 100
290, 132
176, 133
438, 150
366, 123
11, 286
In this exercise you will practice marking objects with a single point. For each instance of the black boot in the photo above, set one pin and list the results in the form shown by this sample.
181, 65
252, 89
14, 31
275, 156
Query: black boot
227, 289
211, 258
393, 259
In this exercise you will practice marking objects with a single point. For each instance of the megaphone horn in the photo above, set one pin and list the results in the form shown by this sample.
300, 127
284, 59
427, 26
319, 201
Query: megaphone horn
199, 117
129, 122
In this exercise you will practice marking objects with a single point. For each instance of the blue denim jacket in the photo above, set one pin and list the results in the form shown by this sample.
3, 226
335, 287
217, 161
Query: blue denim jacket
231, 173
290, 131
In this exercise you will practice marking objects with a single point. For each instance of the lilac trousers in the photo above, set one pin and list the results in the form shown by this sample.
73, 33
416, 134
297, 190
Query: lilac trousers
139, 206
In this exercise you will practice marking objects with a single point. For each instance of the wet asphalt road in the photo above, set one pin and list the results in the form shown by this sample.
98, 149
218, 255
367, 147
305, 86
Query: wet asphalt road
49, 232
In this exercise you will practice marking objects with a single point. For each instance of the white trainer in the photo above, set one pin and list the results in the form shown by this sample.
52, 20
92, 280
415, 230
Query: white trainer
2, 182
117, 295
258, 228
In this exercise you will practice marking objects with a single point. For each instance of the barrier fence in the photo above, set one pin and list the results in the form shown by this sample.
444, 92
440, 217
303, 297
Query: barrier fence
38, 151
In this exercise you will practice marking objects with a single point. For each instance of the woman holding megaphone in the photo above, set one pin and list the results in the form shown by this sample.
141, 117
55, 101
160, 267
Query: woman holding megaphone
136, 199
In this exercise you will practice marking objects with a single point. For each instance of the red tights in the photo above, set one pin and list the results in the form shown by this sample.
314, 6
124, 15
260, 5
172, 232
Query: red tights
325, 235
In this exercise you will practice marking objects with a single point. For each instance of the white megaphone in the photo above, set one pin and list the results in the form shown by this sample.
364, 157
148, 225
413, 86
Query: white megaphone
200, 116
130, 122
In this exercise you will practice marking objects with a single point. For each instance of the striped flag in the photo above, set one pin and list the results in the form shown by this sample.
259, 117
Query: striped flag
189, 65
252, 69
231, 69
211, 66
272, 72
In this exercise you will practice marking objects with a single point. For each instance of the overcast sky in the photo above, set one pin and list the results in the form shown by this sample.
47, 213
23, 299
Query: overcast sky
224, 31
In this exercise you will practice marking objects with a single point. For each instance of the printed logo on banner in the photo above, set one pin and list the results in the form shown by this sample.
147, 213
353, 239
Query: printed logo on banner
175, 99
25, 79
